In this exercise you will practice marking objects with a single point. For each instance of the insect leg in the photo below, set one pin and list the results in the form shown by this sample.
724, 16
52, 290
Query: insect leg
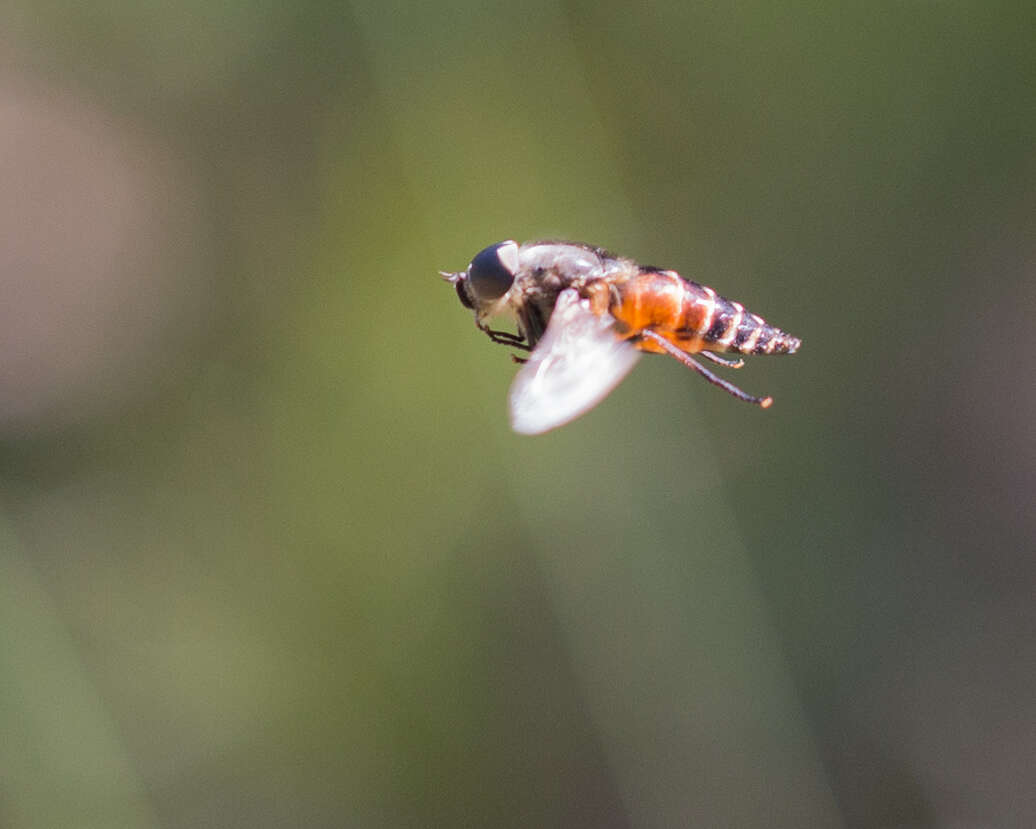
685, 358
715, 358
506, 338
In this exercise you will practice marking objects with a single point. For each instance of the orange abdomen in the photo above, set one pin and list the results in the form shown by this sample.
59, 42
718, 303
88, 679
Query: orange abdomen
691, 316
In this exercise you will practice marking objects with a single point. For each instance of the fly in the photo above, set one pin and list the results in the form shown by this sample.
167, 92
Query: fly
585, 317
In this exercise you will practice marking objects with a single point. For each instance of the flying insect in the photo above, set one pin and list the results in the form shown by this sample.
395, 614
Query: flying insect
585, 316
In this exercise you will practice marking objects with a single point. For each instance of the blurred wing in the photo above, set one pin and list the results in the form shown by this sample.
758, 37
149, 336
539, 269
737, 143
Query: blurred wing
573, 367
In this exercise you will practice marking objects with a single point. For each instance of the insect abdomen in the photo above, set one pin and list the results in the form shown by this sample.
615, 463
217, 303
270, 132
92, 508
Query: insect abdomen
737, 330
694, 317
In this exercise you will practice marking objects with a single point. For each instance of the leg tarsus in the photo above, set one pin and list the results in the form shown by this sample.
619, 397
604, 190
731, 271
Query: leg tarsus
686, 359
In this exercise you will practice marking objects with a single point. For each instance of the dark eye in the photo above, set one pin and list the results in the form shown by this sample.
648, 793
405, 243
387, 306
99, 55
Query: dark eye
462, 292
491, 272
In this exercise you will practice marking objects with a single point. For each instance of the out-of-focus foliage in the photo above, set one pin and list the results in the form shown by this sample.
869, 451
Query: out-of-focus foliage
269, 554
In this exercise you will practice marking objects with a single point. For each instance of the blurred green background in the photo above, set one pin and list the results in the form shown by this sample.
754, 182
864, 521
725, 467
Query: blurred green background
269, 554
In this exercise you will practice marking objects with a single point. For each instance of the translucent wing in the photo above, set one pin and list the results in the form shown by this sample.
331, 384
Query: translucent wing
573, 367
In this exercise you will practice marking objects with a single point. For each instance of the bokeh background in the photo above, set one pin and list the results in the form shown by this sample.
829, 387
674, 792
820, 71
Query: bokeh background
269, 554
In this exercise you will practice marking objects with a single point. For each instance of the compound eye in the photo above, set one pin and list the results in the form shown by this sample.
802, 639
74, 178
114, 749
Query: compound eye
462, 292
491, 272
